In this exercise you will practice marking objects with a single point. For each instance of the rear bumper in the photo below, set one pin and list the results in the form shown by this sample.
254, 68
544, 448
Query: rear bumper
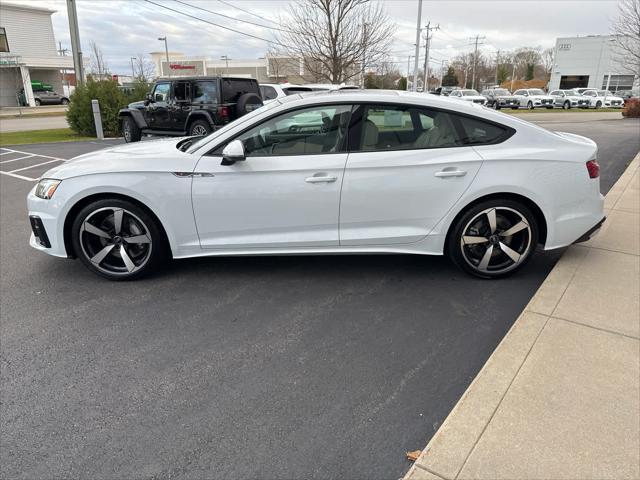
589, 234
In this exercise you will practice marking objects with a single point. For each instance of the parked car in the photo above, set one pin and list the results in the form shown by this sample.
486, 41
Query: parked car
568, 99
189, 106
44, 97
445, 91
321, 87
581, 90
603, 98
469, 95
500, 98
271, 91
342, 172
533, 98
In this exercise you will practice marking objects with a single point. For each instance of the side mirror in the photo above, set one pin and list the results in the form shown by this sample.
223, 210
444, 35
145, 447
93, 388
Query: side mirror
232, 153
148, 99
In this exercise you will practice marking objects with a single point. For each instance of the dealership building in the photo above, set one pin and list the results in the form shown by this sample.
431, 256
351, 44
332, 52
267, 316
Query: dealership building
589, 61
28, 52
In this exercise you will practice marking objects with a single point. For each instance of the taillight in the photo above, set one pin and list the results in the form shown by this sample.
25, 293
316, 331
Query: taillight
593, 168
223, 113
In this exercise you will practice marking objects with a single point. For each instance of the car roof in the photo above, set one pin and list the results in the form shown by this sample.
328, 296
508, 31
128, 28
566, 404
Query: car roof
208, 77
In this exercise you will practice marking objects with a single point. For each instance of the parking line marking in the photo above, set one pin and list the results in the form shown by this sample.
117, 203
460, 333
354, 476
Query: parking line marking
21, 177
34, 166
16, 159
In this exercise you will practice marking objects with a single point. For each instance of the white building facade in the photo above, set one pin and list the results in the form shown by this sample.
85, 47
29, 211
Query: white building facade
591, 62
28, 52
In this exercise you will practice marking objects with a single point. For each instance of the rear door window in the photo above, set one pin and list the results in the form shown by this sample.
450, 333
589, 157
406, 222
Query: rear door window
479, 132
205, 92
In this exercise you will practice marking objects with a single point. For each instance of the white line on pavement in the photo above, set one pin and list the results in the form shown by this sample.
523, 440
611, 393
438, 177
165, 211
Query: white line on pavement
21, 177
16, 159
34, 166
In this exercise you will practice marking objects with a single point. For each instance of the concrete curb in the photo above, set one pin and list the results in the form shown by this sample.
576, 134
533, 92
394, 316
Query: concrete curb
448, 453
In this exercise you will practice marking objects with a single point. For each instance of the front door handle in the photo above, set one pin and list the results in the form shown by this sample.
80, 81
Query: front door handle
450, 173
320, 179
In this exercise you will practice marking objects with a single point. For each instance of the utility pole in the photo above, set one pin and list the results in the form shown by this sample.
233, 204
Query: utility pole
428, 28
415, 65
513, 74
76, 50
442, 63
133, 71
497, 65
408, 68
364, 52
475, 59
226, 61
166, 53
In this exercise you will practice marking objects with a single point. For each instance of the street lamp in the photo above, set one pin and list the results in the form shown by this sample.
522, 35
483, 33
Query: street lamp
166, 50
133, 72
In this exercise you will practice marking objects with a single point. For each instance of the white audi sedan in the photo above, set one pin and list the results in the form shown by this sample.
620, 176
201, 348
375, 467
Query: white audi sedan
341, 172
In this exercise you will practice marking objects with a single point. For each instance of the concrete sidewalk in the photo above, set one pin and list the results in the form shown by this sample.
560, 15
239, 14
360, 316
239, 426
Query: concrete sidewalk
560, 396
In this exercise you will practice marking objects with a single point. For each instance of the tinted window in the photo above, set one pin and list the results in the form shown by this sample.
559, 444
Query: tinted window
406, 128
308, 131
161, 92
205, 92
268, 93
181, 91
478, 132
233, 88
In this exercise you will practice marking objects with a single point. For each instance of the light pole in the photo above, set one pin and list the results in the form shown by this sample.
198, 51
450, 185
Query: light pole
133, 71
166, 51
226, 62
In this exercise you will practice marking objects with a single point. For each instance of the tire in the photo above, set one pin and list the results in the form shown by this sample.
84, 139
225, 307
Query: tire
470, 238
99, 243
247, 103
496, 105
64, 101
37, 102
566, 105
530, 105
130, 130
200, 128
598, 104
550, 108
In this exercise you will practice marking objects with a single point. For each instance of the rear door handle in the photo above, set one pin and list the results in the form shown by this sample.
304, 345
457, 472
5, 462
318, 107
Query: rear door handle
450, 173
320, 179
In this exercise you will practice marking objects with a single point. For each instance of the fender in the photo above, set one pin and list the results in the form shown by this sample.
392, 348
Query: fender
200, 115
137, 116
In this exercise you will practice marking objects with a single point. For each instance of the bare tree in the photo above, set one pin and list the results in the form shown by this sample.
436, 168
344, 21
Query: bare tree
627, 35
336, 38
99, 66
144, 68
547, 61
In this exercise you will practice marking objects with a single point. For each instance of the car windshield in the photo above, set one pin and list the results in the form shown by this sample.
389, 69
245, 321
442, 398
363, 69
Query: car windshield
502, 91
602, 93
536, 91
204, 140
571, 92
470, 93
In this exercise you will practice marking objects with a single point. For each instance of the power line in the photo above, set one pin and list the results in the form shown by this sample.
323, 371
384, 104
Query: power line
215, 24
248, 12
231, 18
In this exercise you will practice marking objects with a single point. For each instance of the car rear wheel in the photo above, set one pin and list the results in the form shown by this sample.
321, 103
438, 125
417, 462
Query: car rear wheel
64, 101
493, 239
200, 128
130, 130
530, 105
37, 102
117, 239
598, 104
566, 105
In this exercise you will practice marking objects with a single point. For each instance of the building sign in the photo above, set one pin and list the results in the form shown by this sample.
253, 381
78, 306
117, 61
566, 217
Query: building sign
183, 68
564, 46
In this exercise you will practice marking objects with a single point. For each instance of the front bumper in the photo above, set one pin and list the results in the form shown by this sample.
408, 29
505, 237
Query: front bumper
592, 232
49, 221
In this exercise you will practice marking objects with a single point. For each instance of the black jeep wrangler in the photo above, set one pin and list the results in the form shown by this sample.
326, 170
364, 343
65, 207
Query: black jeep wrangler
189, 106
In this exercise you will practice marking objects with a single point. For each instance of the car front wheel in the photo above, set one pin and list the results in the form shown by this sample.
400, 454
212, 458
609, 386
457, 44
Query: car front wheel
130, 130
493, 239
530, 105
566, 105
37, 102
117, 239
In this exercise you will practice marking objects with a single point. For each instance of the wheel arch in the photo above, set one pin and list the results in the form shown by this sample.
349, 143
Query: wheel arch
81, 203
527, 202
199, 115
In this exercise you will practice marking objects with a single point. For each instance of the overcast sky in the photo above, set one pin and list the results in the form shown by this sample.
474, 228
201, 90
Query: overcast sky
125, 28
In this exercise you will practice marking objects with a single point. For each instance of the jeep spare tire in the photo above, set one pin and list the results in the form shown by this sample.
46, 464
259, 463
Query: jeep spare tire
248, 102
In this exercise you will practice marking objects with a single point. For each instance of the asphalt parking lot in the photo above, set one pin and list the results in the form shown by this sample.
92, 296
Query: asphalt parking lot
281, 367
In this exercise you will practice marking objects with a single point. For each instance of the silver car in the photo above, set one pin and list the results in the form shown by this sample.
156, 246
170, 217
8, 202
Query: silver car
569, 99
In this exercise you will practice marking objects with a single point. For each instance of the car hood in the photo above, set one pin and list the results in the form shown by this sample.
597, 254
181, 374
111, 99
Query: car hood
473, 97
148, 156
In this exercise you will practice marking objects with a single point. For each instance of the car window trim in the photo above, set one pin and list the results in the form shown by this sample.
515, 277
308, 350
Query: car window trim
217, 150
356, 136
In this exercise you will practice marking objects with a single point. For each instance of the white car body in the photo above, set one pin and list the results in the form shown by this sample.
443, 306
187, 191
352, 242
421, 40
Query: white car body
602, 98
392, 201
569, 99
468, 95
533, 98
273, 91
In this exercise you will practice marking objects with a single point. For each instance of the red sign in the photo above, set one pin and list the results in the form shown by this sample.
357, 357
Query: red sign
177, 66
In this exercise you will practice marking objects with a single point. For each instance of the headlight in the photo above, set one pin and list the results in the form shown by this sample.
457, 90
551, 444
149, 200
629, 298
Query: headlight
46, 188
